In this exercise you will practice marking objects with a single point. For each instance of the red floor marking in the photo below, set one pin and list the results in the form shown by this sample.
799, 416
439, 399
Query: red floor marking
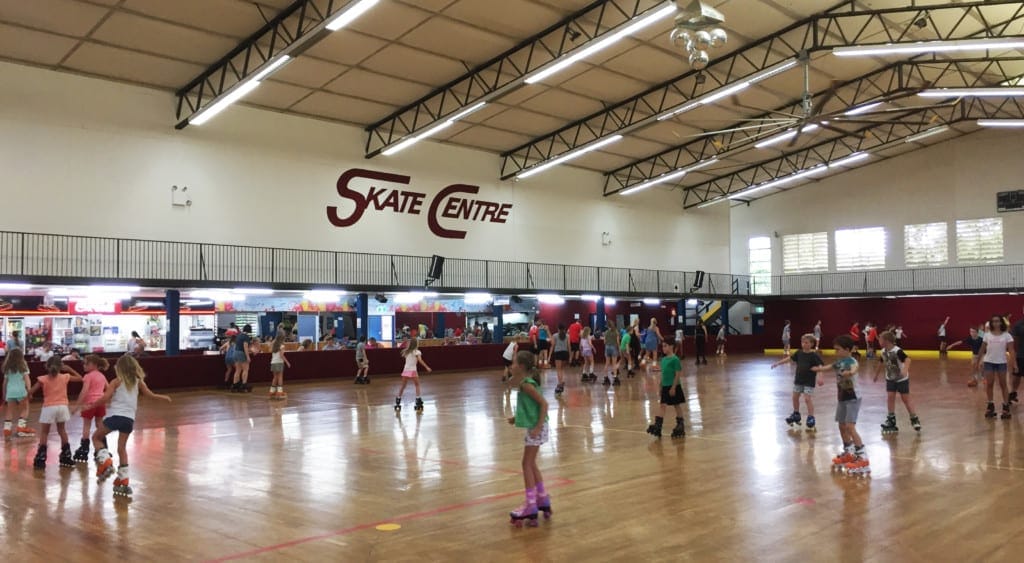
804, 501
444, 462
556, 483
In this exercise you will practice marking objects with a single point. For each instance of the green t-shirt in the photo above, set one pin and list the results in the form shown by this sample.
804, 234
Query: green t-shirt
624, 345
669, 366
527, 409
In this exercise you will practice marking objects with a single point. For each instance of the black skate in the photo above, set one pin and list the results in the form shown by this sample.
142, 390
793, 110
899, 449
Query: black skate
916, 423
584, 378
655, 429
1006, 411
559, 389
1013, 397
398, 404
889, 426
66, 459
82, 453
593, 378
418, 407
811, 424
793, 420
679, 431
40, 460
616, 382
236, 388
246, 388
990, 411
607, 381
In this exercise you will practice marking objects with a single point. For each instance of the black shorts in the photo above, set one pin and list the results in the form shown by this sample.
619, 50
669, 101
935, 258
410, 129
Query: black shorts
574, 346
901, 387
543, 345
121, 424
508, 362
667, 399
942, 339
562, 356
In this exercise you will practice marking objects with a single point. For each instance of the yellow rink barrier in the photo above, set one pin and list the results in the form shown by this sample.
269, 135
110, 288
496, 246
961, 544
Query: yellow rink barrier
914, 354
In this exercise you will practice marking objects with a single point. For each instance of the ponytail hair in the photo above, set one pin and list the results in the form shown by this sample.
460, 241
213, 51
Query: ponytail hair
100, 363
54, 365
410, 348
129, 371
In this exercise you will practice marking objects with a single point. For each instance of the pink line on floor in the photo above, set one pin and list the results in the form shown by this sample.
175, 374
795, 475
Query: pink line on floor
554, 484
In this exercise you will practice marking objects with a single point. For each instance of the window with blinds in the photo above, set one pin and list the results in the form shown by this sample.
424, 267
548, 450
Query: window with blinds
760, 259
926, 245
860, 249
979, 241
805, 253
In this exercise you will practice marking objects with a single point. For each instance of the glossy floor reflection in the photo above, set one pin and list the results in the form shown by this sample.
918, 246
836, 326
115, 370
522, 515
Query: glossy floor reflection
220, 476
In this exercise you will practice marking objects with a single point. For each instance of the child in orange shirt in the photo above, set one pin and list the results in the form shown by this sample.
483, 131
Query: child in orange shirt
55, 409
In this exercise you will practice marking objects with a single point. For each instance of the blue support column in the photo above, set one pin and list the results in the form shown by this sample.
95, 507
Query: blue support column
172, 303
499, 325
362, 315
725, 316
681, 314
600, 316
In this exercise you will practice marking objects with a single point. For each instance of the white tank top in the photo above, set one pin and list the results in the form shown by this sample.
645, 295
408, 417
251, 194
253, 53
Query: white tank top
277, 358
124, 402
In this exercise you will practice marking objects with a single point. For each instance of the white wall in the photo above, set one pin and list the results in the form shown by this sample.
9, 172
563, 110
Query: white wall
957, 179
90, 157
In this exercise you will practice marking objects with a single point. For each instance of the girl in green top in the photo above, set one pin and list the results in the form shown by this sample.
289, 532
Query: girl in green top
627, 336
532, 414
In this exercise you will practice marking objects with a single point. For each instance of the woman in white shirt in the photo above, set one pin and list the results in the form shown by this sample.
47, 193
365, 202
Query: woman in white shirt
997, 355
45, 353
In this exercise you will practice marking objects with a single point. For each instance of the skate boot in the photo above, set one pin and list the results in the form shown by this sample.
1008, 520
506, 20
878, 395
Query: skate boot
82, 453
246, 388
793, 420
972, 383
40, 460
616, 382
655, 429
990, 411
281, 395
527, 513
8, 430
1006, 411
104, 464
811, 424
559, 389
915, 422
679, 431
844, 457
236, 387
66, 459
121, 487
418, 407
859, 466
889, 426
398, 404
272, 395
1013, 397
607, 381
23, 431
544, 505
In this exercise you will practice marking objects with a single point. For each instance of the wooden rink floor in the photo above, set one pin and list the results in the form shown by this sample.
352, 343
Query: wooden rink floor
236, 477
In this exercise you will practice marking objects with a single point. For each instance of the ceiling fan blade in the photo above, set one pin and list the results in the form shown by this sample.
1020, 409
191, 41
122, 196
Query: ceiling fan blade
843, 132
825, 99
736, 102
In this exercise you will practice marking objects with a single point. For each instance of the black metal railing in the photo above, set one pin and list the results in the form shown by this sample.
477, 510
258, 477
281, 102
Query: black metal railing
54, 258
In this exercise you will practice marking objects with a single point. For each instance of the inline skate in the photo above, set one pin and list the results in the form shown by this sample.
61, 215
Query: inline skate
82, 453
121, 487
1013, 397
104, 464
842, 458
40, 460
66, 459
915, 422
859, 466
889, 426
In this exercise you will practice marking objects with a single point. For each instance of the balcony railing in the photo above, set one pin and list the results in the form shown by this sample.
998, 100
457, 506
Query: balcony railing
53, 258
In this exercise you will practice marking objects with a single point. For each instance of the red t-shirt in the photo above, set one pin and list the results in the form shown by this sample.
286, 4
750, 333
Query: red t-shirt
855, 333
534, 330
574, 332
872, 335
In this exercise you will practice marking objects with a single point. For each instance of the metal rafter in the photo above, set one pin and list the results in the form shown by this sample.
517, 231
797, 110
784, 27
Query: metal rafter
843, 25
875, 137
902, 75
505, 72
295, 29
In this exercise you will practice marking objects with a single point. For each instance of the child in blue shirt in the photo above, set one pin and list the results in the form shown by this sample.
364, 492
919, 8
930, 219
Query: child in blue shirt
853, 458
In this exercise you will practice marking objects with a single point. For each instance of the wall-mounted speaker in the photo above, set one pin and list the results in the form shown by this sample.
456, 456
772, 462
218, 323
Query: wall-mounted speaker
698, 280
436, 267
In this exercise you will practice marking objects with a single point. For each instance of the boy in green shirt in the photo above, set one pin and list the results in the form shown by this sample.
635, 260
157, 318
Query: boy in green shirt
532, 414
624, 349
671, 390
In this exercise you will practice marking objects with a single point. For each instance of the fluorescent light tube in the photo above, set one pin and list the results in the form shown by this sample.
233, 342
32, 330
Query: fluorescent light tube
253, 291
278, 63
711, 202
981, 123
668, 176
561, 64
590, 297
569, 156
862, 109
350, 14
433, 130
783, 136
928, 133
238, 93
851, 159
609, 301
323, 296
15, 286
929, 47
549, 299
971, 92
780, 181
114, 288
729, 90
652, 301
477, 298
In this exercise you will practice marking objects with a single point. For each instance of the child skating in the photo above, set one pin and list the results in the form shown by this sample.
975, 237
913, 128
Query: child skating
16, 386
560, 355
671, 391
507, 357
122, 396
586, 345
611, 355
55, 410
278, 361
413, 357
362, 363
94, 384
896, 364
806, 379
625, 350
974, 341
853, 459
531, 414
997, 354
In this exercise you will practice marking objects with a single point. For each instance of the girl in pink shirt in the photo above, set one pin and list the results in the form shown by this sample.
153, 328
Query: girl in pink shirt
55, 409
94, 384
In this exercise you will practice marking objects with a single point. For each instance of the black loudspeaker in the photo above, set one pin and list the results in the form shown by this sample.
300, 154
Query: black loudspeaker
698, 280
516, 299
436, 267
381, 298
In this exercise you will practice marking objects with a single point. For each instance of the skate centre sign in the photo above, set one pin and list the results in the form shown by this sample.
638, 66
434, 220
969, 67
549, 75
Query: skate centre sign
449, 209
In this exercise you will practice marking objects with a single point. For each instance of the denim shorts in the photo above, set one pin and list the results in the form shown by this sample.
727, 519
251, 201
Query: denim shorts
803, 389
121, 424
847, 411
995, 368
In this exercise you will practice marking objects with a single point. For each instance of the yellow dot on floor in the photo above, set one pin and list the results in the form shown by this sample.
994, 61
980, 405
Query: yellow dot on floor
388, 527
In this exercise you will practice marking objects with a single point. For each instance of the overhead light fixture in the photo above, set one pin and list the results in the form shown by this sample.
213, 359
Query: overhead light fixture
406, 143
583, 52
350, 14
550, 299
253, 291
779, 181
610, 301
216, 295
669, 176
591, 298
15, 286
478, 298
993, 43
711, 202
783, 136
850, 159
413, 297
652, 301
240, 91
569, 156
862, 109
323, 296
981, 123
971, 92
729, 89
928, 133
113, 288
